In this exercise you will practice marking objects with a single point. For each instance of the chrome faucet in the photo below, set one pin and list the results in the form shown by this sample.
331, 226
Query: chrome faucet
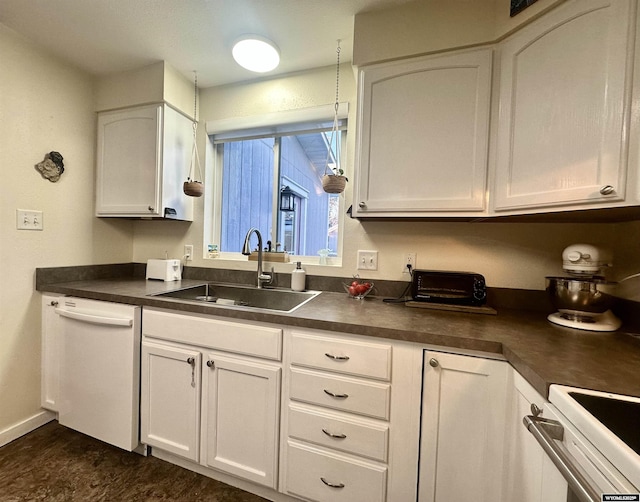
246, 250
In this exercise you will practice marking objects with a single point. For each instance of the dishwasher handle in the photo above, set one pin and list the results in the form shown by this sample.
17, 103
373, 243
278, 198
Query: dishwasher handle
94, 319
543, 431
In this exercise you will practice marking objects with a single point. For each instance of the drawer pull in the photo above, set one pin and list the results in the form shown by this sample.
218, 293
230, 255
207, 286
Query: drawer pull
337, 396
335, 436
336, 358
332, 485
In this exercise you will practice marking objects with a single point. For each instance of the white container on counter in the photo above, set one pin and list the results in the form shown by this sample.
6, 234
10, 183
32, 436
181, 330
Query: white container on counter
298, 278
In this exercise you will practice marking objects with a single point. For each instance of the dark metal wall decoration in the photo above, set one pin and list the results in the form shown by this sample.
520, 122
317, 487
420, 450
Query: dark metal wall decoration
52, 167
520, 5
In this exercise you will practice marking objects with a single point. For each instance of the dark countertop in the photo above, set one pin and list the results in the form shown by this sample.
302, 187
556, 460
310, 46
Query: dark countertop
542, 352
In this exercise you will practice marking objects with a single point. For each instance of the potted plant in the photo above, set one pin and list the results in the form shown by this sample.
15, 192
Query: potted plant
334, 180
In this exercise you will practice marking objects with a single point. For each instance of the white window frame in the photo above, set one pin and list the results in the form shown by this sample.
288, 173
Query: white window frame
280, 123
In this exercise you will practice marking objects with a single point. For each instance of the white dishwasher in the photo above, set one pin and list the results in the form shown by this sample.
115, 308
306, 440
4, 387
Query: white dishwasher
99, 348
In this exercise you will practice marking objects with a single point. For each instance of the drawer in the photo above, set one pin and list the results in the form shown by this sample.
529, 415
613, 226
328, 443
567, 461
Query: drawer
204, 331
324, 477
352, 436
342, 393
342, 356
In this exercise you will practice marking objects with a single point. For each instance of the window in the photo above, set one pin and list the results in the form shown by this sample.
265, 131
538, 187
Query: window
253, 166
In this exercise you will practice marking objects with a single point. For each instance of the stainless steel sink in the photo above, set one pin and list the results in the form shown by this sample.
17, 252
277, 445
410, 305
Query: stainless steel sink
274, 299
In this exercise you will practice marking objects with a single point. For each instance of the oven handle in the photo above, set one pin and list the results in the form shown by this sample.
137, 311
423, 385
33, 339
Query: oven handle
578, 482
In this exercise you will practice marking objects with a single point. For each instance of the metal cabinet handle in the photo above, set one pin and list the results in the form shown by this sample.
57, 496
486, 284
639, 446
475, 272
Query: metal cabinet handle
54, 303
580, 485
334, 436
150, 208
332, 485
607, 190
337, 396
210, 363
336, 358
192, 363
362, 204
433, 362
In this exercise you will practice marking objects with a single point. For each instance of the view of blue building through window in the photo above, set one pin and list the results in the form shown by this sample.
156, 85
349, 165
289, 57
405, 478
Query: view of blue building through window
254, 172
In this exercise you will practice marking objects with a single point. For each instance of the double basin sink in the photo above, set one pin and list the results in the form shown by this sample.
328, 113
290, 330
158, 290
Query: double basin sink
250, 297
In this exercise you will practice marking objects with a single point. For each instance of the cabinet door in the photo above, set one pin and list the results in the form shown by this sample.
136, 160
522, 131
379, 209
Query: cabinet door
128, 162
423, 135
170, 397
241, 403
462, 432
564, 108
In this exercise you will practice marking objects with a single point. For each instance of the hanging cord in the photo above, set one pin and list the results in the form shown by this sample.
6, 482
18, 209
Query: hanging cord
195, 158
403, 297
334, 129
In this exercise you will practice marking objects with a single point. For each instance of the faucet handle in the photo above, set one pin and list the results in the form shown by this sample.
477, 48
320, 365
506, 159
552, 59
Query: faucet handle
267, 277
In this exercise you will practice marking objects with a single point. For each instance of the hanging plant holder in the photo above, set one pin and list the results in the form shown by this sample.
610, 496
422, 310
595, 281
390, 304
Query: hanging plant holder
191, 187
334, 183
333, 180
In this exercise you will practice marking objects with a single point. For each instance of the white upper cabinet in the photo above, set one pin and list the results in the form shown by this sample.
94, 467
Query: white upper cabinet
423, 134
564, 109
143, 158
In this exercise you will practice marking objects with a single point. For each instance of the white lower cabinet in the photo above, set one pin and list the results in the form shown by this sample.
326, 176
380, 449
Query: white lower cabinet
358, 419
218, 409
337, 415
170, 388
463, 428
240, 418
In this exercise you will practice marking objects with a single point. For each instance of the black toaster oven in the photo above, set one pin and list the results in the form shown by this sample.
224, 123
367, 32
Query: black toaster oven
452, 288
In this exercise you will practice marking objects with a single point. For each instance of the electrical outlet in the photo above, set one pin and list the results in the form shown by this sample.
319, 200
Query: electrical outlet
367, 260
408, 263
188, 252
27, 219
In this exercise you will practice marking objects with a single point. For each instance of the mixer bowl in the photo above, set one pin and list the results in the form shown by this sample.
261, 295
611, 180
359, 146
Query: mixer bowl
591, 296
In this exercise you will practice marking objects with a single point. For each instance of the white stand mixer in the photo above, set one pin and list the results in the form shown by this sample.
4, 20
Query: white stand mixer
584, 298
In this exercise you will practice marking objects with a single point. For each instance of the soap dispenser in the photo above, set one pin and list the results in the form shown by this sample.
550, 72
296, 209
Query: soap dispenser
298, 278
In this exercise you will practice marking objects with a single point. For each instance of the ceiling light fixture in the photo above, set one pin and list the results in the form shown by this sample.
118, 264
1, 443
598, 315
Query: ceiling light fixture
256, 53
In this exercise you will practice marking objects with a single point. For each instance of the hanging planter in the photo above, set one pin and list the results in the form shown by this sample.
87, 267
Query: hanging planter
334, 180
191, 187
334, 183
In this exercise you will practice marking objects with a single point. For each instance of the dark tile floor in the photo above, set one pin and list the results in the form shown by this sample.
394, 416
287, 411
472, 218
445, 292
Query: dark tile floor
56, 464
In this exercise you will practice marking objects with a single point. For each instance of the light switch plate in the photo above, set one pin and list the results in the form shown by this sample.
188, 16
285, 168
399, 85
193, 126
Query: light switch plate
27, 219
367, 260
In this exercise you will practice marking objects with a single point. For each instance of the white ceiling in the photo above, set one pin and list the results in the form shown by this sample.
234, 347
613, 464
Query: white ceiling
107, 36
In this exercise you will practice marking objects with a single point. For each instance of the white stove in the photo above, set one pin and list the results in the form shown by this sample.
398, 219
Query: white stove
594, 440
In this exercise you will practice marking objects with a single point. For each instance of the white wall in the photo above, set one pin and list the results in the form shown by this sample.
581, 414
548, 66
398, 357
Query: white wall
153, 83
433, 25
45, 105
